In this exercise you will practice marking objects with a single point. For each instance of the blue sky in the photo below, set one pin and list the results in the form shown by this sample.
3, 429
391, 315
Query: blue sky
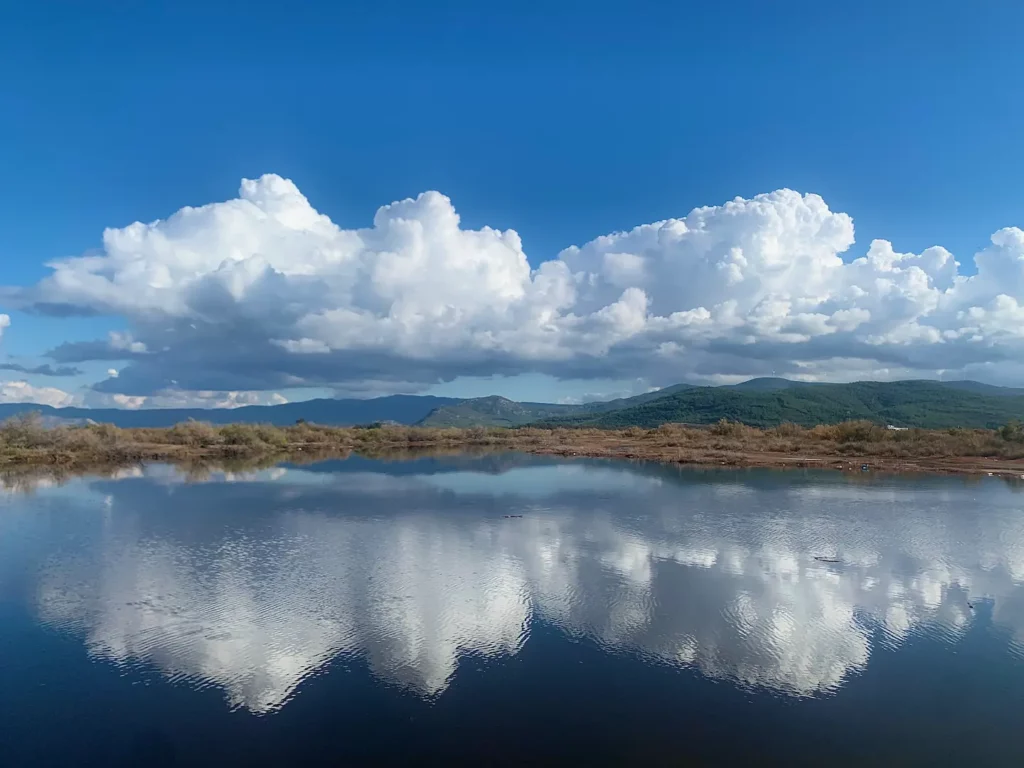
563, 122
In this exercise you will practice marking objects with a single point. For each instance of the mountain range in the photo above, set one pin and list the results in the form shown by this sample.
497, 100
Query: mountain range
404, 409
769, 402
760, 402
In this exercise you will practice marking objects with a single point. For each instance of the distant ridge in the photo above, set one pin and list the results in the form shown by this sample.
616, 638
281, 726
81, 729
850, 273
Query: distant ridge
762, 402
772, 384
764, 384
501, 412
769, 402
403, 409
982, 389
493, 411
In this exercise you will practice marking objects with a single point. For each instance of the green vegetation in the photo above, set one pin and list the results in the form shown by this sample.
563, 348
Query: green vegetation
1012, 432
497, 411
924, 404
763, 402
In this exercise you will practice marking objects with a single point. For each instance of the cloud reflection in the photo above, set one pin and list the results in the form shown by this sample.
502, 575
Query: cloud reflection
253, 582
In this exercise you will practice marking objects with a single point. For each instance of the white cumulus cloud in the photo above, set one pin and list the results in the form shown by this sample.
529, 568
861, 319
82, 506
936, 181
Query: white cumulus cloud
264, 292
170, 398
23, 392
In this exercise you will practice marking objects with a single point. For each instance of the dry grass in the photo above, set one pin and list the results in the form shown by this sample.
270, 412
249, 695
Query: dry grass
24, 440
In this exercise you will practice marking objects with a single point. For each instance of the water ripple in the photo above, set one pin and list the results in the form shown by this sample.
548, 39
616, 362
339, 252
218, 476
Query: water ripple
418, 575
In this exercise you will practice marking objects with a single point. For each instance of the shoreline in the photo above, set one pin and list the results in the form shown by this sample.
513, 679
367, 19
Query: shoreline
847, 463
678, 446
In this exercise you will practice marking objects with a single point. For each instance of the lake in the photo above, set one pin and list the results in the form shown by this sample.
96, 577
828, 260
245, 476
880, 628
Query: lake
509, 609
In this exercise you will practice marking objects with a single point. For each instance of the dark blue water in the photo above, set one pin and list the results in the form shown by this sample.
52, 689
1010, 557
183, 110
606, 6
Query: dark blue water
361, 612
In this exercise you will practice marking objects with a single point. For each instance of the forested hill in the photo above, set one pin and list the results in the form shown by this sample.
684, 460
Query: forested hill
496, 411
493, 411
927, 404
758, 402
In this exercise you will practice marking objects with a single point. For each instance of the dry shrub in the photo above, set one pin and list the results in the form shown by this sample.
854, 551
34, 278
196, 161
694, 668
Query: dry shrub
26, 439
861, 431
426, 435
304, 432
81, 439
906, 435
106, 433
271, 435
788, 429
240, 434
673, 435
734, 429
824, 432
195, 434
668, 430
25, 430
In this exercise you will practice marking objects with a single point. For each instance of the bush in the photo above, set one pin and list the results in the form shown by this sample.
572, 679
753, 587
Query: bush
305, 432
788, 429
271, 436
824, 432
25, 430
1013, 432
726, 428
240, 434
195, 434
81, 439
861, 431
107, 433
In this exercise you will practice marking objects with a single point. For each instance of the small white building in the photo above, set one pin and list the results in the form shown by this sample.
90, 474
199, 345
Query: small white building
897, 429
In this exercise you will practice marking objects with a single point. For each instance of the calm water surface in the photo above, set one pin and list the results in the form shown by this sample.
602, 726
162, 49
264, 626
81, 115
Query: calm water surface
511, 609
